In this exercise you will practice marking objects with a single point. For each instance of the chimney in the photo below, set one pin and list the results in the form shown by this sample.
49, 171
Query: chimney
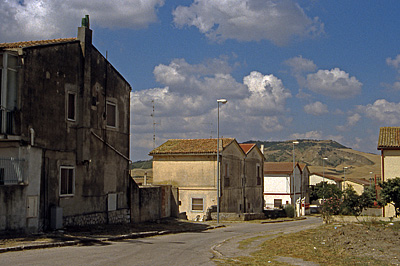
262, 148
85, 33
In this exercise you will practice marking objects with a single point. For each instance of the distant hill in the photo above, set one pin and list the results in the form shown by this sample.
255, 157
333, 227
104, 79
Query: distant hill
311, 152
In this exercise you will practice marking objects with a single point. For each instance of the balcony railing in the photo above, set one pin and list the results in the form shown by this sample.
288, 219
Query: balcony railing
12, 171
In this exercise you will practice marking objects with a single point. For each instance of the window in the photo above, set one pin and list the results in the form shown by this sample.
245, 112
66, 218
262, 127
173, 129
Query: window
111, 114
8, 95
278, 203
67, 181
197, 204
71, 106
258, 169
226, 177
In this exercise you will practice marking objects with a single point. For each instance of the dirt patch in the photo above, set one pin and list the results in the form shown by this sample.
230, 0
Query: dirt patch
378, 240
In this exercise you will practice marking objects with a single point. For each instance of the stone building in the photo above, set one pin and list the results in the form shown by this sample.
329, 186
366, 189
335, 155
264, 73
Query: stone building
191, 165
64, 135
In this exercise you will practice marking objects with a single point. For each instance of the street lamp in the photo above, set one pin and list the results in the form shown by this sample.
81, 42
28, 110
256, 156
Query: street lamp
344, 177
323, 177
294, 180
223, 101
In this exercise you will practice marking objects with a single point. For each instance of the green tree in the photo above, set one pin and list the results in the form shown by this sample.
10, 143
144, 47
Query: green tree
354, 204
390, 193
323, 190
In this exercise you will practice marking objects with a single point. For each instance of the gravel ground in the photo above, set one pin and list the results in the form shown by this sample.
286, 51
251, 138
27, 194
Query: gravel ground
380, 240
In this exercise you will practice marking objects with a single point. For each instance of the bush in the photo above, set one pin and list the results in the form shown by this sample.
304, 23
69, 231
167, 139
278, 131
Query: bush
289, 210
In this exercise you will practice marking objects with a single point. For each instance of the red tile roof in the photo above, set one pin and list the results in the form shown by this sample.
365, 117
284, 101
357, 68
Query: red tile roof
35, 43
278, 167
389, 138
188, 146
247, 147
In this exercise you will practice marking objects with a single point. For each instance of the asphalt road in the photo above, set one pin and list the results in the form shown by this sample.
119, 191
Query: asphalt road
194, 248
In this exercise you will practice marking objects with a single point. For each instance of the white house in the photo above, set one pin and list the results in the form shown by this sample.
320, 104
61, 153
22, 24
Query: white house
316, 178
278, 189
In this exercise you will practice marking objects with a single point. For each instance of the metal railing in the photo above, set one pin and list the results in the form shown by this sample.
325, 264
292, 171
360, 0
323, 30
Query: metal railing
12, 171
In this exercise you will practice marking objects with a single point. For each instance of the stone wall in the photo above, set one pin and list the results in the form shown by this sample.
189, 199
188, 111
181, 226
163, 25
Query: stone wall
112, 217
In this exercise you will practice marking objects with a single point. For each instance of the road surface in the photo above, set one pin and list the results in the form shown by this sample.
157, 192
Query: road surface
193, 248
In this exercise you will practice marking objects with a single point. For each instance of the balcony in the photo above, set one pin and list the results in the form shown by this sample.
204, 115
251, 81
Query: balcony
12, 171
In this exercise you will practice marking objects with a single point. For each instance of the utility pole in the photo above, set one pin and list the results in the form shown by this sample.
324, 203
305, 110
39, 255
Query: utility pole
154, 124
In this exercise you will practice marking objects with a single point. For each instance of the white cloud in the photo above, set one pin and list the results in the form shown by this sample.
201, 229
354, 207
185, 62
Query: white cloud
334, 83
307, 135
267, 94
351, 121
44, 19
248, 20
385, 112
393, 62
316, 108
186, 104
300, 65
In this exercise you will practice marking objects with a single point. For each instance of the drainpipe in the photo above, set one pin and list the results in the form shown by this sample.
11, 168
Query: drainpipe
32, 134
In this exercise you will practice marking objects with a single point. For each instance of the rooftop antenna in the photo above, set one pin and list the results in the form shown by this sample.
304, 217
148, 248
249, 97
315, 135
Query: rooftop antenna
154, 124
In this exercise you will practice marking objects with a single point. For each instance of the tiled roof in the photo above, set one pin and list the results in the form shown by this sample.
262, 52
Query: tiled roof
247, 147
278, 167
35, 43
360, 181
189, 146
389, 137
331, 177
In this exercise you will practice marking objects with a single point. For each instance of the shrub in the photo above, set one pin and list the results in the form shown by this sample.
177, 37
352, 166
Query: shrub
289, 210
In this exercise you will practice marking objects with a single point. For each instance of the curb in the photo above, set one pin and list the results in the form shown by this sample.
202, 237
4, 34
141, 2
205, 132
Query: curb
99, 240
287, 220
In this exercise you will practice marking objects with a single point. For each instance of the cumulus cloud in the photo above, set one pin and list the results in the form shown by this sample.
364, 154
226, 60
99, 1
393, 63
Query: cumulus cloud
300, 65
185, 106
307, 135
43, 19
316, 108
351, 121
393, 62
248, 20
334, 83
383, 112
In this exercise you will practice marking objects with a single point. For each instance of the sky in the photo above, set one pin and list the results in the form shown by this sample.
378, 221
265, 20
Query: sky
307, 69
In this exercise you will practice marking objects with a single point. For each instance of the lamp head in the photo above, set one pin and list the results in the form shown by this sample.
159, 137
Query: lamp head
295, 142
223, 101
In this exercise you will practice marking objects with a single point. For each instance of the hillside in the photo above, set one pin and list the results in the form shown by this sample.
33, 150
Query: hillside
311, 152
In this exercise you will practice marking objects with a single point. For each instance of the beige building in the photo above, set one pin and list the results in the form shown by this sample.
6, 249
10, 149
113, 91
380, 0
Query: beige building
358, 185
389, 145
191, 165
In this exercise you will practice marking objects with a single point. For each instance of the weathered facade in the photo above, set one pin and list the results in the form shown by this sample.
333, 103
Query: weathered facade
389, 145
64, 143
191, 165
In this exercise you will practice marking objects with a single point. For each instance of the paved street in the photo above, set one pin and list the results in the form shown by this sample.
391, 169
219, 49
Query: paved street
179, 249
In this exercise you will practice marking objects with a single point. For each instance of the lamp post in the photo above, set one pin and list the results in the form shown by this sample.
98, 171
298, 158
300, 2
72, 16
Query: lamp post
344, 177
370, 180
294, 180
323, 177
223, 101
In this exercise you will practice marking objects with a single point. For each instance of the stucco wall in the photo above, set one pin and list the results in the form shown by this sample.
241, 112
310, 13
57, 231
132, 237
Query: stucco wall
20, 203
390, 169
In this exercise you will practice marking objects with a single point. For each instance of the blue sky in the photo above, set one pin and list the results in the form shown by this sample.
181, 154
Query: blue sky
289, 69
